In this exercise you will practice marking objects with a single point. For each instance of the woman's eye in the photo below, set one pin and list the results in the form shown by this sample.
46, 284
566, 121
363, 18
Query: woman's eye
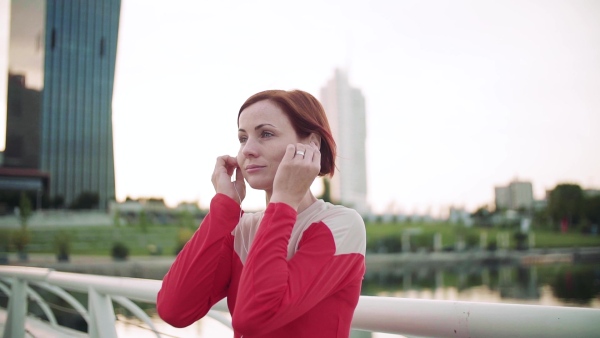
242, 139
266, 134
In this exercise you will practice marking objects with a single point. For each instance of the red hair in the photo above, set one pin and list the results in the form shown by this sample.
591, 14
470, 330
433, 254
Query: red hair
306, 115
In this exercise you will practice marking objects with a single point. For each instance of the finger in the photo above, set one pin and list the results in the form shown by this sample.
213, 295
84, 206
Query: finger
220, 174
308, 152
317, 157
316, 152
290, 152
230, 167
221, 164
232, 161
300, 151
220, 161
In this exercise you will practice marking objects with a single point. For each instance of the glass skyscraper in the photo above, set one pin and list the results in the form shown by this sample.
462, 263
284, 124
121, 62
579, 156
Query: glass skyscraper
76, 145
346, 112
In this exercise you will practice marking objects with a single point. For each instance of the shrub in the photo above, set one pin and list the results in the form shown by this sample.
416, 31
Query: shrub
520, 240
421, 241
62, 245
20, 239
119, 251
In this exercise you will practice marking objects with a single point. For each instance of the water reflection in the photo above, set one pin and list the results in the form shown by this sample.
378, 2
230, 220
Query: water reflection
565, 284
550, 284
556, 284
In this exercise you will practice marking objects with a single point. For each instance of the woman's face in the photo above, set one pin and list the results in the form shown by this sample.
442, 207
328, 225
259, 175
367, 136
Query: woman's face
264, 132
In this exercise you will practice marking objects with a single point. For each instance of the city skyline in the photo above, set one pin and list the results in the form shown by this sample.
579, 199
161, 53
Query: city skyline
461, 97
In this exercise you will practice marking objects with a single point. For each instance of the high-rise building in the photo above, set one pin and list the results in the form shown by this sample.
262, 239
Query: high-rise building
517, 195
22, 37
345, 108
23, 124
76, 118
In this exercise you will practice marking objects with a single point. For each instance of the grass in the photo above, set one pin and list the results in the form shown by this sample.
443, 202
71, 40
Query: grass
390, 236
98, 240
86, 240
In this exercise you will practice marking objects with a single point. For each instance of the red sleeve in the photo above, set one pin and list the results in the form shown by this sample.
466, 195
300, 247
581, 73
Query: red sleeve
200, 275
274, 291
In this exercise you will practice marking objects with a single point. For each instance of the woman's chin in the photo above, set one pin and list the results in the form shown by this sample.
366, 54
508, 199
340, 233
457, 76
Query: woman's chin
258, 185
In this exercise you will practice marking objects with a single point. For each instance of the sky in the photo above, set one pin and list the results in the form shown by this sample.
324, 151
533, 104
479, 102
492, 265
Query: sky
461, 96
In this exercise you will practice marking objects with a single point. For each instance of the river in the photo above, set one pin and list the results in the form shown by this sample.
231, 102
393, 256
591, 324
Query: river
557, 284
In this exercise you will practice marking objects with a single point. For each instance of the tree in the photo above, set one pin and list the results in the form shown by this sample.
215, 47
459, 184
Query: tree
591, 209
566, 203
24, 210
22, 236
481, 216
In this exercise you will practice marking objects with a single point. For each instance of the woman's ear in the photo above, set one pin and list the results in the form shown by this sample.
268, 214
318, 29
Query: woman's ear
315, 138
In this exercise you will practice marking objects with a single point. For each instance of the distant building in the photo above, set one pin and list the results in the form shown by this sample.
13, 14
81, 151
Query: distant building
23, 124
459, 216
591, 192
540, 204
77, 139
502, 198
345, 108
517, 195
19, 168
67, 51
191, 207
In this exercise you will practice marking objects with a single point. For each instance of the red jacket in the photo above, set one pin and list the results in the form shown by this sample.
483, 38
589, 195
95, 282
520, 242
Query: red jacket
284, 274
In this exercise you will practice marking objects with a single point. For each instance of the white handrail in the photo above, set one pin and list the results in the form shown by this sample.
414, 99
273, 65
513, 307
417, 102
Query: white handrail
412, 317
437, 318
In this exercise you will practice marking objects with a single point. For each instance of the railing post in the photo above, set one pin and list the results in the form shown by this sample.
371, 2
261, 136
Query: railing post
102, 315
17, 309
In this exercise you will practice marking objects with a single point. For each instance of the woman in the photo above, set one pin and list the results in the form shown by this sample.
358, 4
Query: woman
293, 270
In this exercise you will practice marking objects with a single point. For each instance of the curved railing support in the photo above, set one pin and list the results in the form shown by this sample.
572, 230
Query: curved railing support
136, 311
102, 315
66, 297
43, 305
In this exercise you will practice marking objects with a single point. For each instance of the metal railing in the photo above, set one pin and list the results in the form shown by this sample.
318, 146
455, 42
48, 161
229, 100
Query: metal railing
408, 317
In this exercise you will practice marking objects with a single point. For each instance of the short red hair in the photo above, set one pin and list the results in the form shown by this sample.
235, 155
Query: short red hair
307, 116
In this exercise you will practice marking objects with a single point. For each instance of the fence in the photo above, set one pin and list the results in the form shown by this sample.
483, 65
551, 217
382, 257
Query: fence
408, 317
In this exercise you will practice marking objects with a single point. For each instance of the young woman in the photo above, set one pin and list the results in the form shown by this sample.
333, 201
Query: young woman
293, 270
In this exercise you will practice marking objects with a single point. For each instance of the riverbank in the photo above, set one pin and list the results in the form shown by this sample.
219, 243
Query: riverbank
377, 262
155, 267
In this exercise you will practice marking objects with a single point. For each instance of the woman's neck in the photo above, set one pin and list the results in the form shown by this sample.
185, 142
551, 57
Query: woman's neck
306, 202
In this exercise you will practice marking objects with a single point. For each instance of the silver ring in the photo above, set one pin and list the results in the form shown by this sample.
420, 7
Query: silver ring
300, 152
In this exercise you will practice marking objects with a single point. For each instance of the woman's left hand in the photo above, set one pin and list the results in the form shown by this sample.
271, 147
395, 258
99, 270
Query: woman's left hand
296, 173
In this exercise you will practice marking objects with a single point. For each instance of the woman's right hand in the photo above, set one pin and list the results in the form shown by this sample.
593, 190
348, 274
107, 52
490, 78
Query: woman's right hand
221, 178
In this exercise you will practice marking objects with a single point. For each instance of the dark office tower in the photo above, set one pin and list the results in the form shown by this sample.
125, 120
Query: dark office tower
79, 65
23, 123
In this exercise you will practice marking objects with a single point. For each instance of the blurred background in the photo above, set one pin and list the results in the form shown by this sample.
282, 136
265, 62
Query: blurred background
467, 132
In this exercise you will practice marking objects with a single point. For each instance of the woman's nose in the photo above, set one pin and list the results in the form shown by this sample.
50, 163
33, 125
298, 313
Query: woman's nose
250, 148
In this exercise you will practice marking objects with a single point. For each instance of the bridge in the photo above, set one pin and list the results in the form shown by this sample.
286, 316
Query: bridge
402, 316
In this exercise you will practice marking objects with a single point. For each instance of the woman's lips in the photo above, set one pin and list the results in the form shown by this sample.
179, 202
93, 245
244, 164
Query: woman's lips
253, 168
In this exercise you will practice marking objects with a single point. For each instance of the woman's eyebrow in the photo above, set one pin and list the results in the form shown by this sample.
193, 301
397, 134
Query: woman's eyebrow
258, 127
262, 125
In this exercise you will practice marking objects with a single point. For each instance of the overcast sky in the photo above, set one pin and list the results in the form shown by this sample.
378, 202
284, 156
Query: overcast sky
461, 96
